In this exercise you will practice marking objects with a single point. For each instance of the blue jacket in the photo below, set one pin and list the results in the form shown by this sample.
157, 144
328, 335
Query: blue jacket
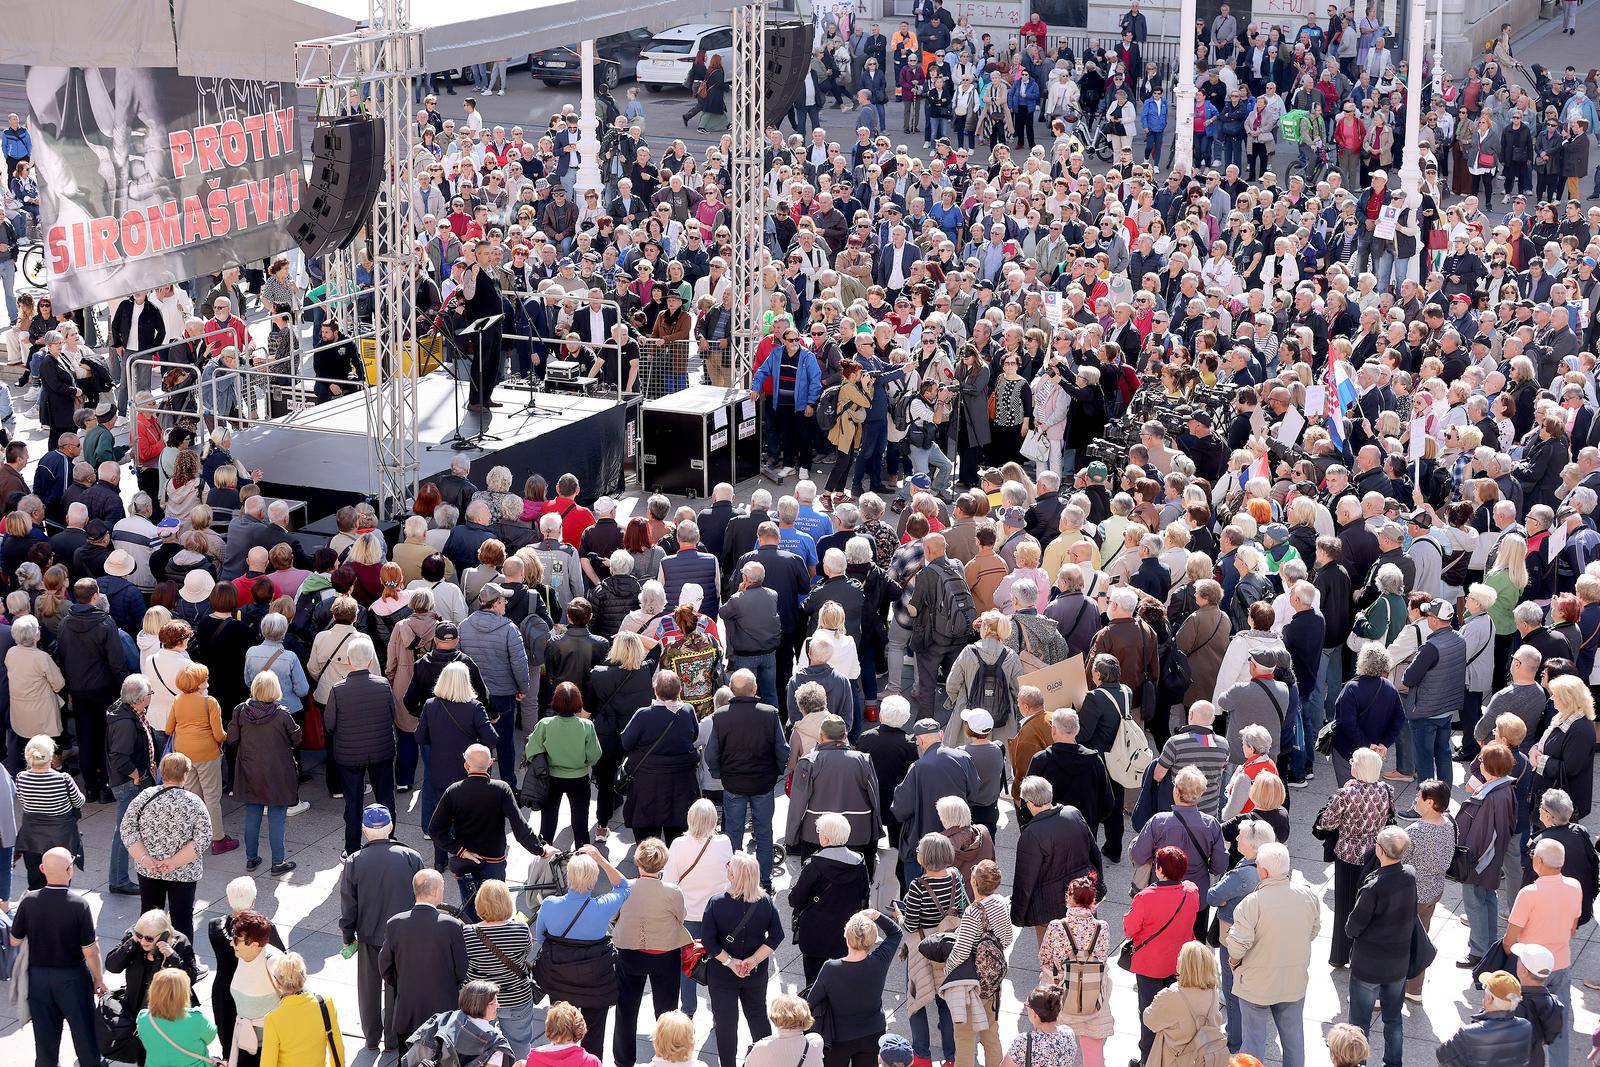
1153, 116
16, 143
938, 772
495, 645
808, 380
1023, 94
125, 602
1367, 713
1233, 116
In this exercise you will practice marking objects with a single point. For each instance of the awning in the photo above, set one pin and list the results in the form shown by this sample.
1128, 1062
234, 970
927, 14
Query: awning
229, 38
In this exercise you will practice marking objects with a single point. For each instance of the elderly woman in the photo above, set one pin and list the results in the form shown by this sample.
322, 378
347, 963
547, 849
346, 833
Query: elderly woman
271, 656
197, 732
1564, 757
293, 1033
1477, 630
1255, 759
1357, 811
1433, 844
790, 1044
1027, 569
972, 843
988, 915
697, 863
1266, 798
165, 829
264, 736
1204, 635
846, 997
225, 933
475, 1031
410, 639
833, 886
933, 904
149, 947
1238, 883
1368, 713
741, 931
660, 744
497, 491
616, 690
413, 548
576, 955
1485, 825
1078, 944
1176, 1013
649, 936
1508, 577
35, 685
171, 1031
1159, 922
50, 803
652, 610
994, 629
496, 942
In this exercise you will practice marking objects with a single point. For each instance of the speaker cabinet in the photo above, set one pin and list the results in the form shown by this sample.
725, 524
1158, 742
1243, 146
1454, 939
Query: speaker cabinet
788, 59
346, 174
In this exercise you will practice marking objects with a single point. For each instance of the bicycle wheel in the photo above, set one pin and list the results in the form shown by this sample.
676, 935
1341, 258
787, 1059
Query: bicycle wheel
1102, 147
33, 269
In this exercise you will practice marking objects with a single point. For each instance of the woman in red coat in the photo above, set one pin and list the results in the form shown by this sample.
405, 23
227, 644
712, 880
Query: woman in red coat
1159, 921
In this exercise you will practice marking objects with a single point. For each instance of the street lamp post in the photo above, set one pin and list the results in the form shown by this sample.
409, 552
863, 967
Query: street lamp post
1183, 137
588, 125
1411, 160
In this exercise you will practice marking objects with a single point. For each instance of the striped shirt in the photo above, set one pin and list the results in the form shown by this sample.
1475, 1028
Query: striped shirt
932, 897
48, 793
1197, 746
997, 909
514, 940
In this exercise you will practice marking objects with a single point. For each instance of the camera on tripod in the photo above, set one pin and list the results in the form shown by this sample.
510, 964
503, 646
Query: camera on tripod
1114, 456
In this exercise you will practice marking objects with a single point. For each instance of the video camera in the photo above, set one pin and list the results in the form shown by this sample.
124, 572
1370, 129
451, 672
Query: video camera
1113, 455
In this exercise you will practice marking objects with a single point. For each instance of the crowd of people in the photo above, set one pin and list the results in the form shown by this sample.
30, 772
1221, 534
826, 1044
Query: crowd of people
1152, 494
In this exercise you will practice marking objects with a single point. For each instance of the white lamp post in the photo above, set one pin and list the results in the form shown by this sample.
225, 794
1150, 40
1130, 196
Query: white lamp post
1411, 160
588, 125
1183, 114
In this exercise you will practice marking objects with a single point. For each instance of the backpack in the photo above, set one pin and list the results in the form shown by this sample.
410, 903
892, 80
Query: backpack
1207, 1048
989, 958
1130, 751
1082, 975
955, 612
828, 408
1176, 671
1437, 486
990, 690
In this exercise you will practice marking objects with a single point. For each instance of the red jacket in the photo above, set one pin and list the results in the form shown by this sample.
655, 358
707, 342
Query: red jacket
575, 518
1150, 910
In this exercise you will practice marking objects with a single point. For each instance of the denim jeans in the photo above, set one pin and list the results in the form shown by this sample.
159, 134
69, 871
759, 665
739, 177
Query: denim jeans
469, 878
1330, 679
1232, 150
933, 462
1430, 739
735, 807
119, 852
1288, 1019
516, 1025
869, 457
505, 707
1392, 996
765, 668
937, 128
921, 1038
1230, 1008
688, 988
276, 816
8, 283
1483, 918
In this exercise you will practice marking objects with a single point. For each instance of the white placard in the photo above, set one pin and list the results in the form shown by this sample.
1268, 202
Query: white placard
1388, 220
1288, 431
1419, 438
1316, 399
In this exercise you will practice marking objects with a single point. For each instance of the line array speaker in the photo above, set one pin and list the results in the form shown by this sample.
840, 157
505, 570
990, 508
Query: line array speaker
788, 58
346, 173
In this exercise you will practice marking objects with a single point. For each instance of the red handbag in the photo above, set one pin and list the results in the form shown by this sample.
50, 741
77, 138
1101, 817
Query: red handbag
312, 735
694, 960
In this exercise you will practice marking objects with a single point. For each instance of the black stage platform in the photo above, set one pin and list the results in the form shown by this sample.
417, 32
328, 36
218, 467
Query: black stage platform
587, 436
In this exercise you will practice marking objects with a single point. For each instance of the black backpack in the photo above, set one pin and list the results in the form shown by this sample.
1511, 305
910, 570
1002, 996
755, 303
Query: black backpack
1176, 670
990, 691
828, 408
955, 611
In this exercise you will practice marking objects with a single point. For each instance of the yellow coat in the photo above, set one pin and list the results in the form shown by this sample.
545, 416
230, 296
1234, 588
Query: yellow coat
293, 1034
853, 404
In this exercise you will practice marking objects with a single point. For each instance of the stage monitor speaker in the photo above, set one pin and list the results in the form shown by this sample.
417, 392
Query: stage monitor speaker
346, 174
788, 59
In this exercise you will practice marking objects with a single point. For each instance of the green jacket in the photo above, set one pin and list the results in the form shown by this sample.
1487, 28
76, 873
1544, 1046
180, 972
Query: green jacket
99, 445
1384, 620
1506, 598
569, 742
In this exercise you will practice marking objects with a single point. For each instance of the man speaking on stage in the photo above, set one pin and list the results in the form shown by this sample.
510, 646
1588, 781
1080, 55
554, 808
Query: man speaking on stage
483, 300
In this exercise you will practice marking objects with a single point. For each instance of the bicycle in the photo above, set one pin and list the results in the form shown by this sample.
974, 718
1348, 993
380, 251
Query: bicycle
546, 878
30, 263
1313, 170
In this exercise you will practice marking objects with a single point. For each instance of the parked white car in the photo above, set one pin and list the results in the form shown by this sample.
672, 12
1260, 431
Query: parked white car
668, 58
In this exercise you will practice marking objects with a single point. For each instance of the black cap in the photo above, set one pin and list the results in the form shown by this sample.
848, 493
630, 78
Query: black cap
1202, 417
96, 529
446, 631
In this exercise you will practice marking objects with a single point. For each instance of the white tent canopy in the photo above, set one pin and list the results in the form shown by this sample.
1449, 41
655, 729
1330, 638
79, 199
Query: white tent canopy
228, 38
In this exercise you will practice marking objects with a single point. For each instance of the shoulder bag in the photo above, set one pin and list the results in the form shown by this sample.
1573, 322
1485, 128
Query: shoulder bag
156, 1026
937, 946
696, 959
518, 969
1126, 950
690, 955
327, 1029
1461, 866
625, 777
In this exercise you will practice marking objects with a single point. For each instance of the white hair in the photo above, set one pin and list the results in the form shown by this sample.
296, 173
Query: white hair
1125, 600
1272, 860
361, 653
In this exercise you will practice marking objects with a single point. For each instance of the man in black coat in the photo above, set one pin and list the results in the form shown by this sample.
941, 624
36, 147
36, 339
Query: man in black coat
1056, 847
1379, 928
374, 887
1078, 778
455, 488
91, 655
470, 825
1582, 863
715, 520
359, 719
747, 751
424, 959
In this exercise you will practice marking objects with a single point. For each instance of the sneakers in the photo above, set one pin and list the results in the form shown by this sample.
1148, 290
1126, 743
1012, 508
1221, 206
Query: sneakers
1397, 776
283, 868
252, 863
1415, 998
300, 808
1299, 783
222, 845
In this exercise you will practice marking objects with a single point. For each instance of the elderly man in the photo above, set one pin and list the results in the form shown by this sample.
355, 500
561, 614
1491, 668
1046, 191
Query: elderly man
748, 752
424, 959
374, 886
1379, 928
939, 771
1582, 863
1133, 644
470, 825
1269, 948
1262, 701
1547, 912
1523, 697
819, 669
1078, 778
752, 630
1197, 745
103, 498
1056, 846
833, 777
494, 643
1496, 1034
359, 717
1435, 679
64, 969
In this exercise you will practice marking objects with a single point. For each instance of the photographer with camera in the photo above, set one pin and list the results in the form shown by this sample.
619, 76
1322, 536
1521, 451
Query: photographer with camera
929, 411
1202, 445
1242, 425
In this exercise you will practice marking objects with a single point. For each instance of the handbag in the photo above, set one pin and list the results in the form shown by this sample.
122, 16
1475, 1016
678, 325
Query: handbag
1325, 739
215, 1062
118, 1039
1036, 446
312, 734
700, 969
1126, 950
625, 777
1462, 862
535, 788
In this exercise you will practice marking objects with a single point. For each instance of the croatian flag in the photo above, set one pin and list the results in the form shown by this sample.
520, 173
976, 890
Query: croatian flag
1339, 392
1261, 468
